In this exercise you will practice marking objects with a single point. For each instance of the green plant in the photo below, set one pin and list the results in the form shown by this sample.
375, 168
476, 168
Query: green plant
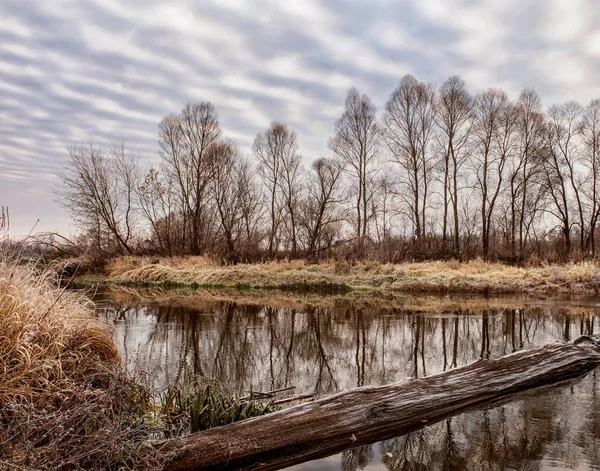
200, 408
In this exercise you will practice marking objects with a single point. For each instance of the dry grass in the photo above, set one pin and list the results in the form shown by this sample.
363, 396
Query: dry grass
47, 336
64, 401
475, 277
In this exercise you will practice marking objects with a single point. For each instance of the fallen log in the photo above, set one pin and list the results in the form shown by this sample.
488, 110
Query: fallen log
369, 414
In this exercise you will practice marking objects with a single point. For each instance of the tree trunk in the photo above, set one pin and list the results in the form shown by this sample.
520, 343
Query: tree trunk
369, 414
445, 214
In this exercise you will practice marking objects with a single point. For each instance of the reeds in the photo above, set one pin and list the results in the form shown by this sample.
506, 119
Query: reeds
193, 409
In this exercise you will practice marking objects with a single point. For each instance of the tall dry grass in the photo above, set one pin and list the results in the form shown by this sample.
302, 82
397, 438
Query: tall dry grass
65, 402
48, 336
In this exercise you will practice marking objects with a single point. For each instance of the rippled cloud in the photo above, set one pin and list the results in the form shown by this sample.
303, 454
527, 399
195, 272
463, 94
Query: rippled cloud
111, 69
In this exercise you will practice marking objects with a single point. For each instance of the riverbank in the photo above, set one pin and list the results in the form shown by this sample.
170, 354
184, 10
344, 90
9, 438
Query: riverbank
475, 277
65, 400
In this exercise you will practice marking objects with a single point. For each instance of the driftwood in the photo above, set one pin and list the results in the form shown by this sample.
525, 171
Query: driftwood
268, 393
369, 414
287, 400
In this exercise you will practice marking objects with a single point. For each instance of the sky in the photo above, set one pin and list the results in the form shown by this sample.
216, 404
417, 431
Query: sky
107, 70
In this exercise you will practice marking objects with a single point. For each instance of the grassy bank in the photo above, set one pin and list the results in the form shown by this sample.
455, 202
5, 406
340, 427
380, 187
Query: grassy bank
66, 402
475, 277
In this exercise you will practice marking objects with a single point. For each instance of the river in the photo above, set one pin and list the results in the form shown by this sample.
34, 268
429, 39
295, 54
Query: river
326, 345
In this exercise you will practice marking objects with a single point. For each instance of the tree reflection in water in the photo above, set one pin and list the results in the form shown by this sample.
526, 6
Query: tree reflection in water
327, 349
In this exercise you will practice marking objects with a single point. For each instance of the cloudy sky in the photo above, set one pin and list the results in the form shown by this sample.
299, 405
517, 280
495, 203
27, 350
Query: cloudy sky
111, 69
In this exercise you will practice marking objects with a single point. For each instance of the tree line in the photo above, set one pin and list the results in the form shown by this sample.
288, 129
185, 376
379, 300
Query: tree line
440, 173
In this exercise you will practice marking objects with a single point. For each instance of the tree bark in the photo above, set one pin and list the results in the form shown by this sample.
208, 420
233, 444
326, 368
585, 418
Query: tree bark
369, 414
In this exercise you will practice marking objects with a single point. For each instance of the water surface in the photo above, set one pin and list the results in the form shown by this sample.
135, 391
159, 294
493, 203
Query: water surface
326, 346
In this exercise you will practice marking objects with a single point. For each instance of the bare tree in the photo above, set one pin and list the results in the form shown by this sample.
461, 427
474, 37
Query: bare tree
321, 208
185, 140
559, 167
279, 162
494, 141
126, 171
155, 195
98, 191
525, 169
251, 207
291, 187
590, 159
409, 120
226, 195
454, 119
230, 189
384, 206
357, 142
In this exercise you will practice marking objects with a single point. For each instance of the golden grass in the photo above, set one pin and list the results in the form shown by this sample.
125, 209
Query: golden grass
64, 400
48, 337
474, 277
